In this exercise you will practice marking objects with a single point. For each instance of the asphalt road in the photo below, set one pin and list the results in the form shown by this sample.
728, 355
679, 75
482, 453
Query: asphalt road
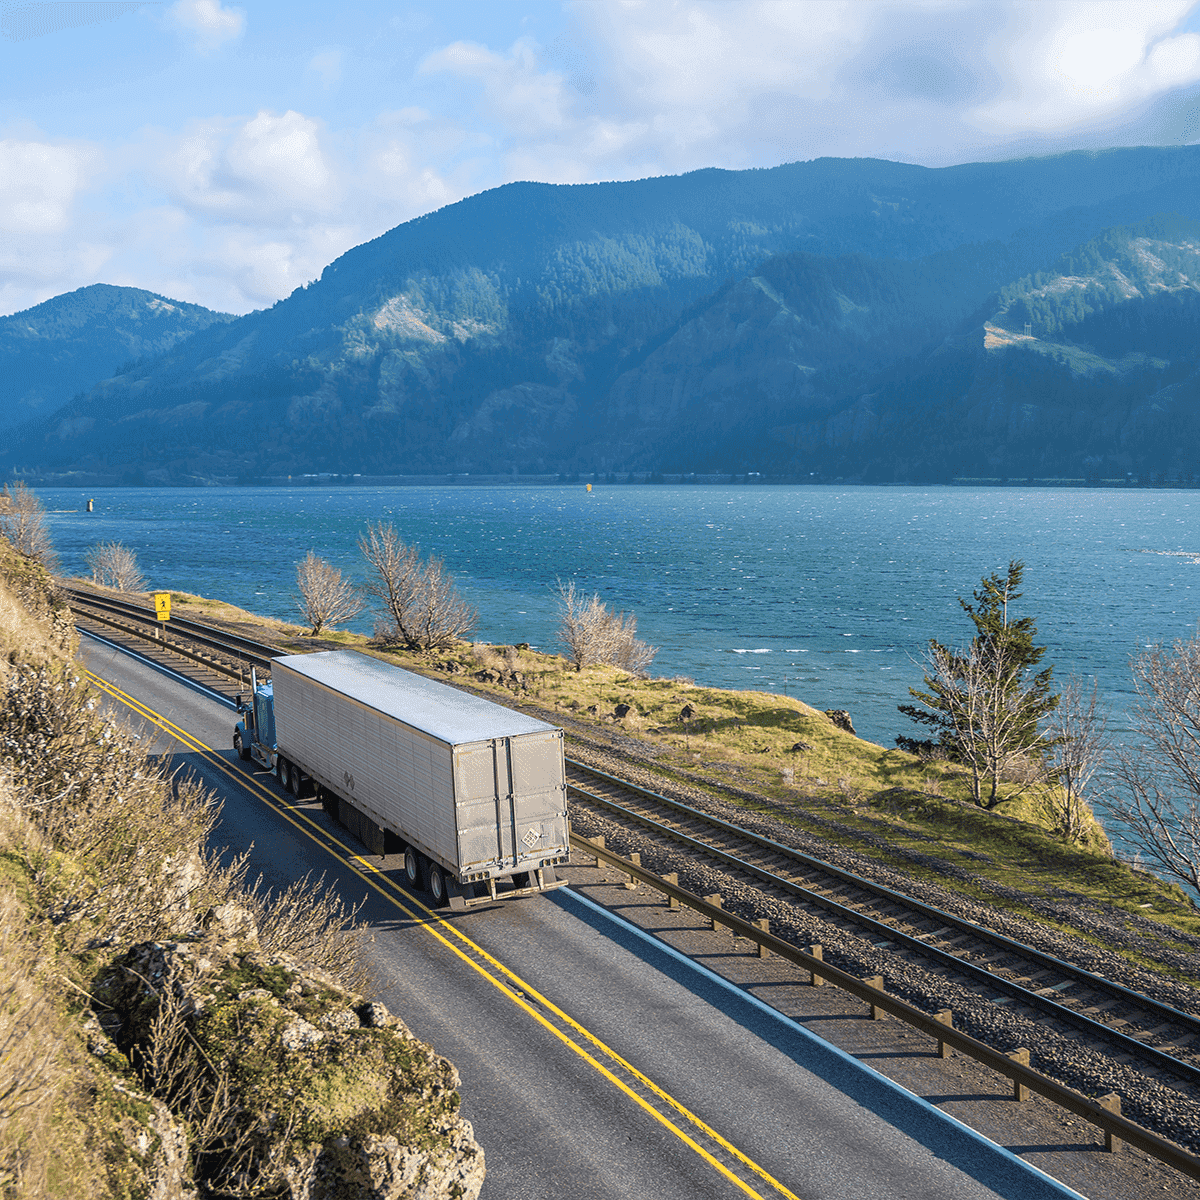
565, 1063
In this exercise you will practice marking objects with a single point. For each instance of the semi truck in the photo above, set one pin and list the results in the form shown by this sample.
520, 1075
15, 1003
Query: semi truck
471, 793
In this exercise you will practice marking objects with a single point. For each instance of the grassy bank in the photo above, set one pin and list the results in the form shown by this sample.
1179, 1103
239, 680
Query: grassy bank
769, 752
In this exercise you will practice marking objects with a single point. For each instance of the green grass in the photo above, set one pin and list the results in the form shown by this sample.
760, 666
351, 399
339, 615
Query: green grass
745, 740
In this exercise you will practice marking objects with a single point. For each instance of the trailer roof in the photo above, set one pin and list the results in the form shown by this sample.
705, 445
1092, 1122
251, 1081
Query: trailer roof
434, 708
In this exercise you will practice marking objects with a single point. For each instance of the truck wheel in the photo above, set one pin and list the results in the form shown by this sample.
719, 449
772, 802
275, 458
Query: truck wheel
522, 879
243, 751
281, 772
414, 869
437, 885
295, 783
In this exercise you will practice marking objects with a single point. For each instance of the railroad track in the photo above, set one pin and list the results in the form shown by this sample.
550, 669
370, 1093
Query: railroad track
1157, 1040
1106, 1016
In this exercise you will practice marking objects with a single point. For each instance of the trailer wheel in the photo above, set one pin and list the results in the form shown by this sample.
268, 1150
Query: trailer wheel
522, 879
295, 783
437, 885
243, 751
414, 869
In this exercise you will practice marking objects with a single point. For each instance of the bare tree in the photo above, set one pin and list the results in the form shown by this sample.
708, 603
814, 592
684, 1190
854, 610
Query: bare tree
23, 522
1156, 792
593, 635
1078, 732
421, 606
990, 711
326, 597
115, 565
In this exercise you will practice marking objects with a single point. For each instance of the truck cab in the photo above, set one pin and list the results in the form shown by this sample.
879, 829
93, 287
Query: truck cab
254, 734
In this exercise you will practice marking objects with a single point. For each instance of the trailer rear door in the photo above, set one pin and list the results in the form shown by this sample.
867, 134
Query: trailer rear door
510, 796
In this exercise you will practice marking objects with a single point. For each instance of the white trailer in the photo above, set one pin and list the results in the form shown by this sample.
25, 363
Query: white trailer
472, 793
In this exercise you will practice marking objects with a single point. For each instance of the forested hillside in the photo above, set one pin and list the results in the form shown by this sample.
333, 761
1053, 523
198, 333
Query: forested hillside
828, 317
51, 352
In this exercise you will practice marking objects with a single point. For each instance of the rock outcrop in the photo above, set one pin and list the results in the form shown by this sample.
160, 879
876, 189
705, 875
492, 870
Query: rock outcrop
292, 1085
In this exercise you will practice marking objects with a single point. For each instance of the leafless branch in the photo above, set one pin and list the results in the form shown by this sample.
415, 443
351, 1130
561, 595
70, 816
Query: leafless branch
421, 606
1078, 731
326, 597
593, 635
115, 565
23, 523
1156, 787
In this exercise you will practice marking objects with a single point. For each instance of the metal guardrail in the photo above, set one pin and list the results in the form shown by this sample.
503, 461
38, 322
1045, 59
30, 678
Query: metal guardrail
1178, 1067
1103, 1112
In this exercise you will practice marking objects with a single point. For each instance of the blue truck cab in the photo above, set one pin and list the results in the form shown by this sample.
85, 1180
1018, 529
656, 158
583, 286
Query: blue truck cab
254, 734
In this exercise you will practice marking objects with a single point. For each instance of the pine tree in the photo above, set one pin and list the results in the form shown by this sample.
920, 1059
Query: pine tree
983, 706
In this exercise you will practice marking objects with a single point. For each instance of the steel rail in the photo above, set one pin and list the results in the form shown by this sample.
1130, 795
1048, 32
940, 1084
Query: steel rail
1116, 1127
216, 639
221, 640
1161, 1058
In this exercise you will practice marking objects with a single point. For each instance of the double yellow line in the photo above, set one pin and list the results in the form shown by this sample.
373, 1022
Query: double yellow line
513, 987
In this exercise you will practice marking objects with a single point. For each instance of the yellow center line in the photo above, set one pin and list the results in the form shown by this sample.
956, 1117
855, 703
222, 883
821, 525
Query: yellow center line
371, 875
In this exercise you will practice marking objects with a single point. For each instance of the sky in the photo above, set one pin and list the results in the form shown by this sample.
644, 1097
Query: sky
225, 153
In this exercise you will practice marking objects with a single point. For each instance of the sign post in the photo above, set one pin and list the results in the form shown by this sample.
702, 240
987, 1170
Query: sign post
162, 610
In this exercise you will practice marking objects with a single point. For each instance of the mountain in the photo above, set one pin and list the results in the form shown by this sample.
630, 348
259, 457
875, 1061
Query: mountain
1090, 369
66, 345
807, 318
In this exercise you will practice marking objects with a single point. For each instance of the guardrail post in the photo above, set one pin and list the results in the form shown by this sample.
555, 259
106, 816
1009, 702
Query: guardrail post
814, 951
1111, 1103
716, 901
672, 878
1021, 1055
876, 981
599, 840
630, 882
944, 1016
765, 925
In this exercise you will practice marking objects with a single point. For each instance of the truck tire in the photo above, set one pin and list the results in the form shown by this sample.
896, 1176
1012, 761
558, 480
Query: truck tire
414, 869
295, 782
281, 772
437, 885
243, 751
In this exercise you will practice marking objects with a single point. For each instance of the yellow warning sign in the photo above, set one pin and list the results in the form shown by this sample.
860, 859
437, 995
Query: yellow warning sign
162, 605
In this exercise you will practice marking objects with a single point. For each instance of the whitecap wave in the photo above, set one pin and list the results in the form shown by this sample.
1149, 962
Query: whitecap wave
763, 651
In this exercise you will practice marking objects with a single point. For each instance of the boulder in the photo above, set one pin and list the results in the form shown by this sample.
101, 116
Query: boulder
283, 1048
841, 718
623, 710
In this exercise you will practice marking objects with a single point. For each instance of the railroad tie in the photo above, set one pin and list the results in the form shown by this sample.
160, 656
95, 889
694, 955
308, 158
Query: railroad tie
1020, 1055
944, 1016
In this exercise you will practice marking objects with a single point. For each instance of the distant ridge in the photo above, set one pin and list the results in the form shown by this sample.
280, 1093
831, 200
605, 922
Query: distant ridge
66, 345
832, 319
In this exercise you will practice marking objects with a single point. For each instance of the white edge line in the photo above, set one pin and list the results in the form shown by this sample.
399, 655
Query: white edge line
849, 1059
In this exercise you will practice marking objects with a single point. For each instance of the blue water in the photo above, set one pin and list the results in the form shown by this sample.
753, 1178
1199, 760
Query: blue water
829, 594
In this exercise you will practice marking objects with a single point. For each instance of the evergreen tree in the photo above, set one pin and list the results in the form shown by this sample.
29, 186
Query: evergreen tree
983, 706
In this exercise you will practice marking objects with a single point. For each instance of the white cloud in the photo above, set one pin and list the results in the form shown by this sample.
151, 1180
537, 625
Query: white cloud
256, 170
327, 66
526, 98
1074, 63
38, 183
207, 22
